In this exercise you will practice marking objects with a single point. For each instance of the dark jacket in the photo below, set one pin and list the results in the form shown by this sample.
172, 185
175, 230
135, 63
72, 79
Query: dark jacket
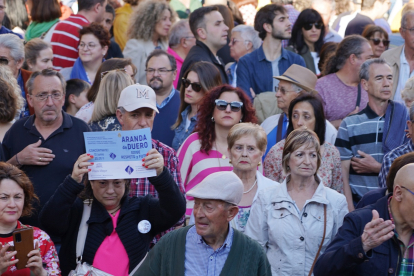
345, 256
167, 258
371, 197
62, 215
306, 55
200, 52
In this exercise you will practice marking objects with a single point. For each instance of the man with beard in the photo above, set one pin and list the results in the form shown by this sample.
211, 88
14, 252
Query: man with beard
161, 69
47, 144
208, 27
256, 70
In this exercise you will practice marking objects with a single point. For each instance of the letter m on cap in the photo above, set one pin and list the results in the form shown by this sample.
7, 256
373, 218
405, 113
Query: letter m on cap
142, 93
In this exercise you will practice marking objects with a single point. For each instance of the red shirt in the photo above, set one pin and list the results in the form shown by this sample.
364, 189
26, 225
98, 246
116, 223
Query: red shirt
65, 41
47, 251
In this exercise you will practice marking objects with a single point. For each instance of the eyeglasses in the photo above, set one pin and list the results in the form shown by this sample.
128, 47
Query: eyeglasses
233, 41
308, 26
377, 41
194, 85
189, 37
234, 106
282, 90
103, 74
90, 46
408, 190
43, 96
4, 61
160, 71
410, 30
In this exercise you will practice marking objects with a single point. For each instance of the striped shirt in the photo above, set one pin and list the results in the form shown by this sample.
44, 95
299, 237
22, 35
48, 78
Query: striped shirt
362, 131
201, 259
407, 262
196, 165
65, 41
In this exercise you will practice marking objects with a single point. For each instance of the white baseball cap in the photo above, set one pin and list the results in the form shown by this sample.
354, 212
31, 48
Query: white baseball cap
137, 96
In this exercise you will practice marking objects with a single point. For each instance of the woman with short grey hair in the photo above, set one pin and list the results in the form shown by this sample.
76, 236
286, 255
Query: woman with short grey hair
244, 39
407, 94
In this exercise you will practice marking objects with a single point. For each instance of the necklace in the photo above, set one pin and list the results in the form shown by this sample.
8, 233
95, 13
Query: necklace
251, 187
217, 154
116, 210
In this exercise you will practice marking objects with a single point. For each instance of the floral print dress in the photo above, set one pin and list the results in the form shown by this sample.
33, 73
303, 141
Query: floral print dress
47, 251
329, 171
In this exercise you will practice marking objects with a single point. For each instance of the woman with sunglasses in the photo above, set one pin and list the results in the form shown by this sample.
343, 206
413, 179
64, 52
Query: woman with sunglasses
94, 41
197, 80
205, 151
378, 39
307, 38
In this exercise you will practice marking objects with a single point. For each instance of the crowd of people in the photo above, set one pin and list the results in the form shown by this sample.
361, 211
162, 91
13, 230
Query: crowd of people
281, 136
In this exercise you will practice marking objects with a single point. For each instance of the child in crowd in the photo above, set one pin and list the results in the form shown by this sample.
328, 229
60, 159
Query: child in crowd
75, 98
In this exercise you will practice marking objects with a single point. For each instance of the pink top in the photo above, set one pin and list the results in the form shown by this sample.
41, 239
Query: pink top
339, 99
179, 61
196, 165
111, 256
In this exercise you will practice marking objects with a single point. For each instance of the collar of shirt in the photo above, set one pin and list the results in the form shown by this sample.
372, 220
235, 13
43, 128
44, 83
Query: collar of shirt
185, 112
227, 242
370, 113
403, 60
66, 123
167, 100
261, 55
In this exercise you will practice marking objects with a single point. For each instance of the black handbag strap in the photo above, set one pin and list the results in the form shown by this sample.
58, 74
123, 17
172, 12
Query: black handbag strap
358, 102
280, 128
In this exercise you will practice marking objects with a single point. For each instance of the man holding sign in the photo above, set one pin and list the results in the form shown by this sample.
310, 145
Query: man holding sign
136, 110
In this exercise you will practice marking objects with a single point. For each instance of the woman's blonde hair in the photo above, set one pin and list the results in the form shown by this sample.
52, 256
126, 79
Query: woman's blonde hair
142, 23
247, 129
408, 92
296, 139
110, 90
7, 75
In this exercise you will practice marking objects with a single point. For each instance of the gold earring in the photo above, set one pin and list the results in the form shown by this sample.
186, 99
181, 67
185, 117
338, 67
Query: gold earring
230, 161
260, 163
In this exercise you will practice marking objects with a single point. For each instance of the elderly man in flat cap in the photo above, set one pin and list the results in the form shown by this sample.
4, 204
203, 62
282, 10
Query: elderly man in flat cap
211, 246
297, 79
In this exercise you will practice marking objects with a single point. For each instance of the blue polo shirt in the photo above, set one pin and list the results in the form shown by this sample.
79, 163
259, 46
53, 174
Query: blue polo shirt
4, 30
66, 143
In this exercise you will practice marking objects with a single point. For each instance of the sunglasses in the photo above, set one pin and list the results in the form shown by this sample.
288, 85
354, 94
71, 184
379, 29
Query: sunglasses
308, 26
377, 41
234, 106
4, 61
103, 74
195, 86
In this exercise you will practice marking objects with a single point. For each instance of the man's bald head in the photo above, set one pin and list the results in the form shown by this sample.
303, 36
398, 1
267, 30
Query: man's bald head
405, 177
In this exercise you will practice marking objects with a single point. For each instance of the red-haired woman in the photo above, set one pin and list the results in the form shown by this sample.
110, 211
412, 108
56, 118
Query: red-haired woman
205, 151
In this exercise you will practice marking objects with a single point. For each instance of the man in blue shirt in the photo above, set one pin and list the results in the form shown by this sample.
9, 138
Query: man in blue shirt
210, 247
161, 69
255, 71
47, 144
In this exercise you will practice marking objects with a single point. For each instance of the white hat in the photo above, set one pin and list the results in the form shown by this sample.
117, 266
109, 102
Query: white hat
137, 96
225, 186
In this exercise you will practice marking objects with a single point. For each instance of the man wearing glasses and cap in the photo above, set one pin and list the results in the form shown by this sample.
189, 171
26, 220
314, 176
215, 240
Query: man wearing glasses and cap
137, 107
211, 246
296, 79
377, 239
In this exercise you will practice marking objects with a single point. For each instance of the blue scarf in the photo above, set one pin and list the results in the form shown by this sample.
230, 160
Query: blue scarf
396, 118
78, 71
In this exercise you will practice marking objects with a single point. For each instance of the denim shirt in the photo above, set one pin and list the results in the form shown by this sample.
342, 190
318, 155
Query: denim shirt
255, 71
180, 133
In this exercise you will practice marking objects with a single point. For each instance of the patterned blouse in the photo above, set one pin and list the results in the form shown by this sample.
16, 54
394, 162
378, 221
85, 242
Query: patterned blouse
108, 123
47, 251
329, 171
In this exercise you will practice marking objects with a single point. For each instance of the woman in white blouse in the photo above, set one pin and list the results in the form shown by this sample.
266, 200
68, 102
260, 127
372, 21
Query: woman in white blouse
288, 220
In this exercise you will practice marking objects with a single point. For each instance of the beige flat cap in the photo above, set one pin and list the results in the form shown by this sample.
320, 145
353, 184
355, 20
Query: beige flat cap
225, 186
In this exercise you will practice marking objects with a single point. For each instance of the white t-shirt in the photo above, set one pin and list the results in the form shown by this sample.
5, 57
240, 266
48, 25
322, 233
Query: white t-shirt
316, 61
